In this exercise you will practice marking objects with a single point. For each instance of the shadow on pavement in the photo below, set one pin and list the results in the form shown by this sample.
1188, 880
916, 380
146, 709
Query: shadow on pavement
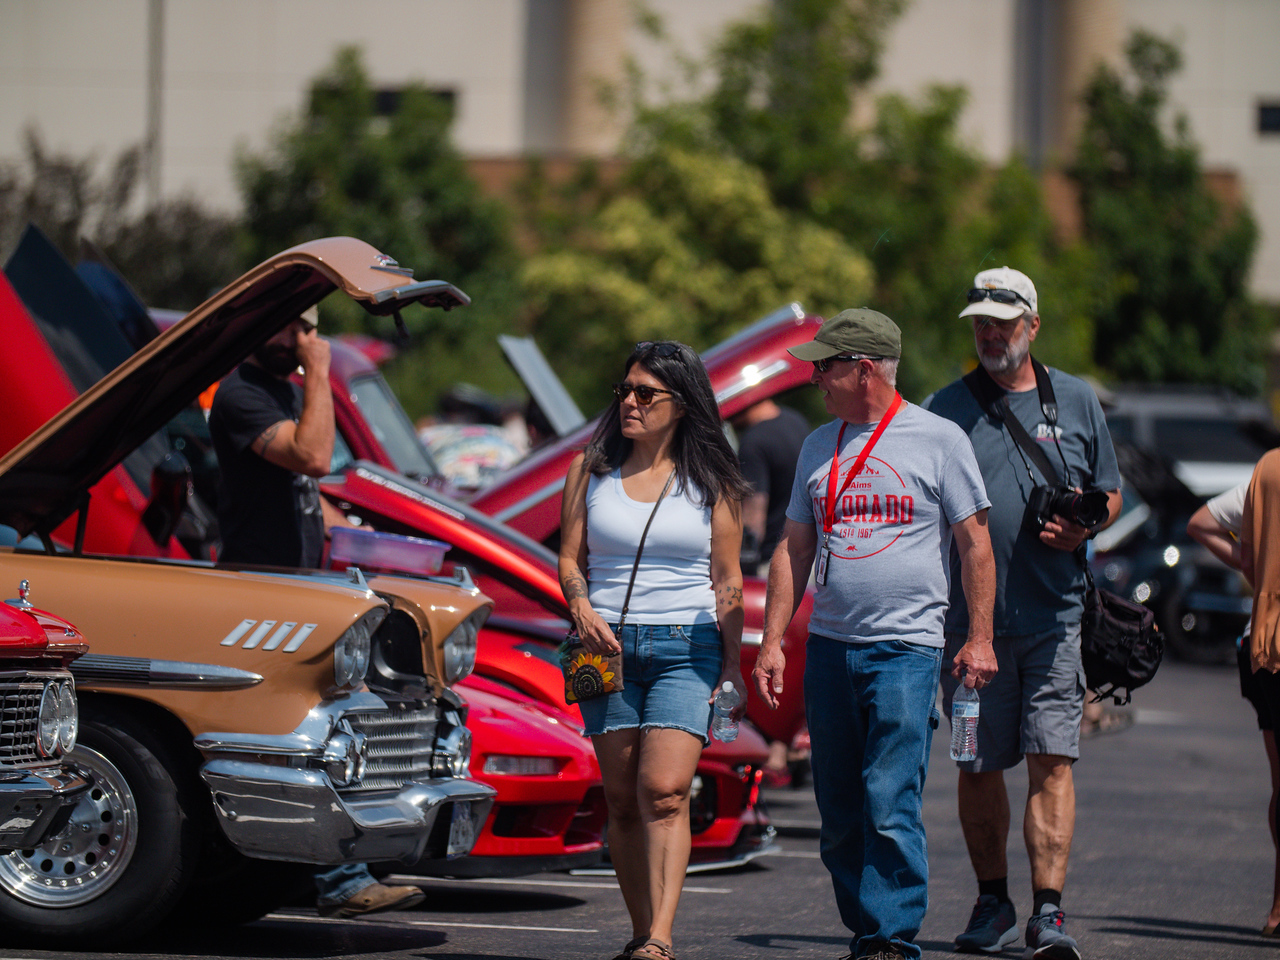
1184, 931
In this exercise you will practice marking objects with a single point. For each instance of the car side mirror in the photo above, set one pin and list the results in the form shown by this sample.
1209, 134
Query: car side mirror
171, 488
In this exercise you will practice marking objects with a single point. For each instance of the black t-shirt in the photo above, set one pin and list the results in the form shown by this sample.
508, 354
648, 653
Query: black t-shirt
266, 514
769, 451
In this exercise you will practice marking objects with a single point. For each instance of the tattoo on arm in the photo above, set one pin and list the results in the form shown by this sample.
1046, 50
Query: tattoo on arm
264, 439
730, 595
575, 587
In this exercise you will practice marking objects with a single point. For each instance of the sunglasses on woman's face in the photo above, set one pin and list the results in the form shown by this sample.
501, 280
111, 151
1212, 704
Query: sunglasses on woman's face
644, 393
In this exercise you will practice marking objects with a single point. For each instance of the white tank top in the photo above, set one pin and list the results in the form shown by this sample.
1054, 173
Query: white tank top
673, 584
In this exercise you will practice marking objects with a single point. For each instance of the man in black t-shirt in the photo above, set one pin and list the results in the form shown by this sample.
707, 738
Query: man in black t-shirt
273, 440
769, 441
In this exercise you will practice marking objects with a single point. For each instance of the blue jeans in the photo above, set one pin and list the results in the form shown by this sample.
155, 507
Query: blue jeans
336, 884
871, 712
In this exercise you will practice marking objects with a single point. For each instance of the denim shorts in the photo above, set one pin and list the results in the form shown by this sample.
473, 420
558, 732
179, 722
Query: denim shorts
668, 673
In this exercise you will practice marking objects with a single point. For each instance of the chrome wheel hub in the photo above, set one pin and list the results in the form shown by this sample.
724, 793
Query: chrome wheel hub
90, 853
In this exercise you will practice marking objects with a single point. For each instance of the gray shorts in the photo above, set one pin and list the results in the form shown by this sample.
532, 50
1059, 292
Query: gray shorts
1033, 705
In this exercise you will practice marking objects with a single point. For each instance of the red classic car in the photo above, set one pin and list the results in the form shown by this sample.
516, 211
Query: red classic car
39, 789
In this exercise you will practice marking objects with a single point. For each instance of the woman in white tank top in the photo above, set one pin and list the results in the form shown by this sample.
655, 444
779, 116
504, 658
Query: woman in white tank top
683, 627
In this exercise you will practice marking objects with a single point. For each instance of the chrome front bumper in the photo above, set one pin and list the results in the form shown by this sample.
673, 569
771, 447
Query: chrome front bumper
36, 804
275, 799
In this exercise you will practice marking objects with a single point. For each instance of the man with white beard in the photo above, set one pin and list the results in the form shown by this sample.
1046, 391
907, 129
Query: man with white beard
1032, 708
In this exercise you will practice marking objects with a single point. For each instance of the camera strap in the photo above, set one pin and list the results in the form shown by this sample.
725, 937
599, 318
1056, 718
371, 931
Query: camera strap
993, 400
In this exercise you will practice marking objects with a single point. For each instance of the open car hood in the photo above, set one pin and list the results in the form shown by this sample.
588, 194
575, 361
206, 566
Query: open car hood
44, 479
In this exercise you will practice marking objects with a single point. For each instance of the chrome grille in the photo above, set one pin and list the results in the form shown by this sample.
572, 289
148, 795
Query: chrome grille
19, 717
398, 746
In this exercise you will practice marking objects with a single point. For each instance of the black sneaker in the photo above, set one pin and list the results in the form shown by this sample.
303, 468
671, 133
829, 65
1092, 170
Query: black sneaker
993, 925
1046, 940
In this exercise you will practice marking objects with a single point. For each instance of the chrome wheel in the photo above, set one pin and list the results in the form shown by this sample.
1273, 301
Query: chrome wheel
90, 854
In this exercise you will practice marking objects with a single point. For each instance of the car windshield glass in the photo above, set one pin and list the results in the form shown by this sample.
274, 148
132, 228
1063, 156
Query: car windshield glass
391, 425
1216, 439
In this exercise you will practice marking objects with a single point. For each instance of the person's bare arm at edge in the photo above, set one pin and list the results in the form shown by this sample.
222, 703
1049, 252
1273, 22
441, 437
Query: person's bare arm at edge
1204, 528
726, 583
593, 631
306, 446
976, 661
788, 576
1061, 534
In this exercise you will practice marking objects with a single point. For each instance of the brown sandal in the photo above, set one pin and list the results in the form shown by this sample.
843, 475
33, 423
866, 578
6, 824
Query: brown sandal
653, 949
631, 948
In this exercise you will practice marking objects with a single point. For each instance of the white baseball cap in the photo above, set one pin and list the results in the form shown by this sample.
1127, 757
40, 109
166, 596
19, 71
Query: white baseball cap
1017, 294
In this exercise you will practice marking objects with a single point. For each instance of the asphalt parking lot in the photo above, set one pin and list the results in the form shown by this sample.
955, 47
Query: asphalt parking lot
1172, 860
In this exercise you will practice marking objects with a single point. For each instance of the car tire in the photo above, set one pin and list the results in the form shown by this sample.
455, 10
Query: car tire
127, 854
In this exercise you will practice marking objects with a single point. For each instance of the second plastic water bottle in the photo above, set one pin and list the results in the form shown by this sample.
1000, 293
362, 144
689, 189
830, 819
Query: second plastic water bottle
964, 723
723, 727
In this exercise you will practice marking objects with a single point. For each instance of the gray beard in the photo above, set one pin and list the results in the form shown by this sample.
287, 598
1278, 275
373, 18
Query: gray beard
1011, 360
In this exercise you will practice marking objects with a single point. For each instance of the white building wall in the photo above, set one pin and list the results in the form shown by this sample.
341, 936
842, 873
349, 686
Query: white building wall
77, 69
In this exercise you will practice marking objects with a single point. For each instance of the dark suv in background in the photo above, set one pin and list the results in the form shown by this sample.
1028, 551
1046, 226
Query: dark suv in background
1177, 447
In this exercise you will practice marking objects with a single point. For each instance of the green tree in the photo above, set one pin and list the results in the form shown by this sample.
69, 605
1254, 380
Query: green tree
686, 246
923, 207
1173, 260
398, 183
174, 253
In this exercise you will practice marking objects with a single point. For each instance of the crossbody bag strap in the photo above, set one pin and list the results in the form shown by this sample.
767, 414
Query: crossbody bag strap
626, 603
992, 399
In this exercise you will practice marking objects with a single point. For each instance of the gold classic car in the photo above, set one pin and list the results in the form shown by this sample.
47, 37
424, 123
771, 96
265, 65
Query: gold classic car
240, 725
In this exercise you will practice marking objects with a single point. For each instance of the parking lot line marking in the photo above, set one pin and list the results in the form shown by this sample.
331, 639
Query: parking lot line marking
401, 921
798, 854
500, 882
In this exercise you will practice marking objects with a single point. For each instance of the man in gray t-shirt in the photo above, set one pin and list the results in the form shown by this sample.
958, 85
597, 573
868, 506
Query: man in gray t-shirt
880, 495
1033, 707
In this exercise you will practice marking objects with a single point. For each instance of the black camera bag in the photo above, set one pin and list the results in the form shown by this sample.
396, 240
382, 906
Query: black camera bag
1120, 644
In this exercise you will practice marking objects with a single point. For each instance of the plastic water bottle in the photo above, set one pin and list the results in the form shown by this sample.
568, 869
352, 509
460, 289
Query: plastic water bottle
964, 723
723, 727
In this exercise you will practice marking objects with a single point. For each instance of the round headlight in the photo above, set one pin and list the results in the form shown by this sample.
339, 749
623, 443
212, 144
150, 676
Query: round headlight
47, 727
351, 652
460, 647
68, 718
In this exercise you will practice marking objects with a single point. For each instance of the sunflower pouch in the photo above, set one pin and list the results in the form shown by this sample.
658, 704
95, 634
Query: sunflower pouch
588, 675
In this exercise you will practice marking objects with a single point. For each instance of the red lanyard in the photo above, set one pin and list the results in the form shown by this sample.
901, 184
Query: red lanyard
829, 516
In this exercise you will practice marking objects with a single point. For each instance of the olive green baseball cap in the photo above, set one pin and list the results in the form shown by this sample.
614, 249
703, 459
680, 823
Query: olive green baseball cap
859, 331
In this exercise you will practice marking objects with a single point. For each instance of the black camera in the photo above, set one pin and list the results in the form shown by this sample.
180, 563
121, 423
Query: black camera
1086, 509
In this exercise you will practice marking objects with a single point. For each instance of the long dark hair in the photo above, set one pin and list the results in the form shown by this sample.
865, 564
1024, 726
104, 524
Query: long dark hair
702, 454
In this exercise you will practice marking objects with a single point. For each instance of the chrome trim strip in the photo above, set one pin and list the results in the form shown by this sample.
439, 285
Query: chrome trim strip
423, 290
303, 632
282, 631
308, 740
520, 506
752, 638
97, 669
256, 637
232, 638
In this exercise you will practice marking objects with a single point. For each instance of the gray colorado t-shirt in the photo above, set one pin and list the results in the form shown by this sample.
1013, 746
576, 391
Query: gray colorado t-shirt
888, 575
1045, 587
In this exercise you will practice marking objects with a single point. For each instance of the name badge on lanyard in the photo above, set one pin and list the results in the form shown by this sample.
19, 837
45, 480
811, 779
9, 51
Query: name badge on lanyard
829, 515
